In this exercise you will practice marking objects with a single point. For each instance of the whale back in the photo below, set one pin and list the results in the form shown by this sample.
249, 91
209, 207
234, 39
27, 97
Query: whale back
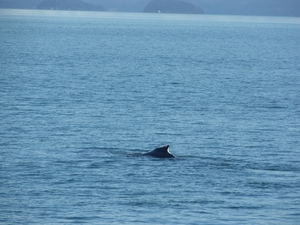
161, 152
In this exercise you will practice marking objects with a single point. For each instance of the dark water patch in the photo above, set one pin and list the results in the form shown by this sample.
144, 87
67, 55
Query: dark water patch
275, 107
274, 168
95, 165
79, 219
134, 154
244, 207
73, 163
196, 202
265, 185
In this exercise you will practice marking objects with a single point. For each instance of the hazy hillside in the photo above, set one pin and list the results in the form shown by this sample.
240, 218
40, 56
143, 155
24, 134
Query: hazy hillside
250, 7
172, 6
229, 7
69, 5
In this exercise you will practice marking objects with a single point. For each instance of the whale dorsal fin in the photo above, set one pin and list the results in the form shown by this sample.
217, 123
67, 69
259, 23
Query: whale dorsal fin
161, 152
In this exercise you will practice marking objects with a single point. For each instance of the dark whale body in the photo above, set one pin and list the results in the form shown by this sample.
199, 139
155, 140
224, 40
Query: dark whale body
161, 152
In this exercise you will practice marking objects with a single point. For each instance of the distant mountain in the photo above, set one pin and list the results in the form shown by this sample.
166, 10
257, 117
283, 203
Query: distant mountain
250, 7
69, 5
172, 6
216, 7
121, 5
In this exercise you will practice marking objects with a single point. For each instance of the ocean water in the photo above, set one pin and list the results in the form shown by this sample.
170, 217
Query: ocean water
82, 93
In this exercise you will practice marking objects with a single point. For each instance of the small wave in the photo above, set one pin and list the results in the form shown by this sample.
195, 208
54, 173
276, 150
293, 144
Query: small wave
275, 168
269, 185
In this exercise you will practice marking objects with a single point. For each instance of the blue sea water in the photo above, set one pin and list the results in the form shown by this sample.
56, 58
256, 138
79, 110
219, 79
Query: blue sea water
81, 93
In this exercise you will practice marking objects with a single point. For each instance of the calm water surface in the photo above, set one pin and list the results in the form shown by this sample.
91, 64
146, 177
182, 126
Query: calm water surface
82, 93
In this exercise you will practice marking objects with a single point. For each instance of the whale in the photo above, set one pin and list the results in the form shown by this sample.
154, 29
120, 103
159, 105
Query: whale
160, 152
